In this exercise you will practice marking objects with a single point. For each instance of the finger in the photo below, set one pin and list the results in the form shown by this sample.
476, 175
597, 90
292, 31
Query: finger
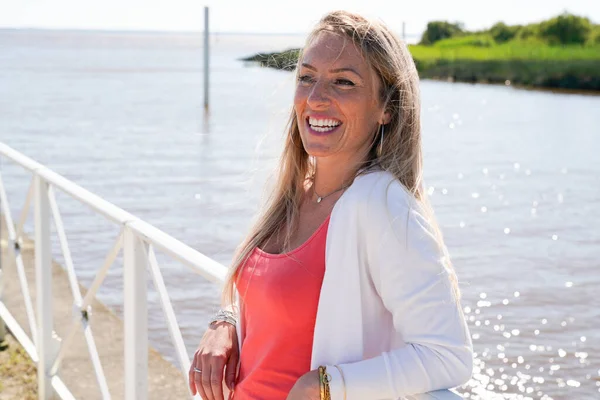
205, 382
191, 383
231, 370
198, 380
216, 378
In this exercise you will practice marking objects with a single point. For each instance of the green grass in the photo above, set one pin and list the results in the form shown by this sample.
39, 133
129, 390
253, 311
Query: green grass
477, 58
471, 40
526, 63
17, 372
508, 51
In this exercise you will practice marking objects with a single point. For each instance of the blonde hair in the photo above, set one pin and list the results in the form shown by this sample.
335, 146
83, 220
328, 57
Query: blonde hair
400, 152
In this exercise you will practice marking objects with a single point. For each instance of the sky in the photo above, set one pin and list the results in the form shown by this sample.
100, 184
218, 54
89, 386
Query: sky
283, 16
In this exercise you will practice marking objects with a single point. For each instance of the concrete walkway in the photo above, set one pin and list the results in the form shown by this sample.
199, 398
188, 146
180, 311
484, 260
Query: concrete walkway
164, 380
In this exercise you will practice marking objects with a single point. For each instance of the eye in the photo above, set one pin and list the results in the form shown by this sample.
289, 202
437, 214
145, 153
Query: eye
305, 79
344, 82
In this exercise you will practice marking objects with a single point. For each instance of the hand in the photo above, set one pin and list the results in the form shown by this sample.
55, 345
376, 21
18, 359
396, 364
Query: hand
218, 349
306, 388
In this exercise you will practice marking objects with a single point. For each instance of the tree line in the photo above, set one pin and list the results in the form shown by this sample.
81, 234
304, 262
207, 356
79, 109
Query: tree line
564, 29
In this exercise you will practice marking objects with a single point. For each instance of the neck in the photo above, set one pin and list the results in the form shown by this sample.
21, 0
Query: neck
329, 176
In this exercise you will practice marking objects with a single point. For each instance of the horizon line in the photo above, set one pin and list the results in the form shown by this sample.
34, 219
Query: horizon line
150, 31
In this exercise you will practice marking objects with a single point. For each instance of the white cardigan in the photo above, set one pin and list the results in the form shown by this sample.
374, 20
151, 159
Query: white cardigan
387, 316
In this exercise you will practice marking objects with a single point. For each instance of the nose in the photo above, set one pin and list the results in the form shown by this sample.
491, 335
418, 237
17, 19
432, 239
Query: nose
318, 96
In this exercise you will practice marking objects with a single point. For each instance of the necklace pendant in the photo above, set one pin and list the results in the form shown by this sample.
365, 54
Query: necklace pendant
319, 199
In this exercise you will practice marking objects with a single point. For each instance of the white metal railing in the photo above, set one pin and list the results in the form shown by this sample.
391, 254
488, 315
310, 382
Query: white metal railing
136, 238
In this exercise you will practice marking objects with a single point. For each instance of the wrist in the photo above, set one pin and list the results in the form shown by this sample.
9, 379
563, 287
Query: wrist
219, 324
226, 316
337, 384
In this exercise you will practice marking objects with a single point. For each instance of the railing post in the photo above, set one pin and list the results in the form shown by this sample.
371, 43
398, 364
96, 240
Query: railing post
136, 317
2, 326
43, 282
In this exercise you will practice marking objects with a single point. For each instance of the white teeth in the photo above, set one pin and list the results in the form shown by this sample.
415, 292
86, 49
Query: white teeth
323, 129
322, 122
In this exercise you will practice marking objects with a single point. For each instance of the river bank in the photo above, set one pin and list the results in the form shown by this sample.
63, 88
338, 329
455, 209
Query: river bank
527, 66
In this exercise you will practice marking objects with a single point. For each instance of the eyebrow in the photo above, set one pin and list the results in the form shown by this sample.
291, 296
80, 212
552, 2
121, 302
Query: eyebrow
336, 70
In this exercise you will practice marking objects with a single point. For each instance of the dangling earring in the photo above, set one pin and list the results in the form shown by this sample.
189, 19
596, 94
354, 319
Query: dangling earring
381, 141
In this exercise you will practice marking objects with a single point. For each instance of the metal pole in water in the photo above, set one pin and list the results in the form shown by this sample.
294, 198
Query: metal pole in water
206, 57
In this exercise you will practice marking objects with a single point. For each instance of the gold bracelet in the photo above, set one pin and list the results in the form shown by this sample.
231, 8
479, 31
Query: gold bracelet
343, 379
321, 385
324, 379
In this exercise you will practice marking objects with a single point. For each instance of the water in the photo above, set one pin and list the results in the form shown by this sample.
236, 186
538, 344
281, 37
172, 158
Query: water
513, 175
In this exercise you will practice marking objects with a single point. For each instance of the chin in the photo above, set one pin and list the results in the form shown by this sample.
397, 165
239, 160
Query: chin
318, 153
318, 148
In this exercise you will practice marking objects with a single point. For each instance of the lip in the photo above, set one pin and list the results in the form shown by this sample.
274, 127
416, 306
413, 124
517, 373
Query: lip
319, 116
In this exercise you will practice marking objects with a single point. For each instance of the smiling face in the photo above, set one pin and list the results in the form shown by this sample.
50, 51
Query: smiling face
337, 100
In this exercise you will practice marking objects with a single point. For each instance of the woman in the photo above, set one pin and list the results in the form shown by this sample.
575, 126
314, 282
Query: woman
344, 287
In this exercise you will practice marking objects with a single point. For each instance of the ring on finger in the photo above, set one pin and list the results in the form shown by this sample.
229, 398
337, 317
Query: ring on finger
197, 370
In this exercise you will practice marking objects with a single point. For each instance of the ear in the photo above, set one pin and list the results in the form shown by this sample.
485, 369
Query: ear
386, 117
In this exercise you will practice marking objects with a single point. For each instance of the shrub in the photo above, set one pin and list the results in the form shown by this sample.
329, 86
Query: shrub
438, 30
503, 33
566, 29
594, 36
527, 32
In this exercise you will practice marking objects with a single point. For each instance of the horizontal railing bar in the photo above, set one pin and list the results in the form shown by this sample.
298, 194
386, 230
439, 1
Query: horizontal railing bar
198, 262
19, 158
96, 202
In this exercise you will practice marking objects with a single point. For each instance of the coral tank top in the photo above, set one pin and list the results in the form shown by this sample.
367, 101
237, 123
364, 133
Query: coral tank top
279, 296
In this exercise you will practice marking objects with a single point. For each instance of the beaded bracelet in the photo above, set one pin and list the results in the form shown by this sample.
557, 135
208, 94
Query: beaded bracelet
224, 316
